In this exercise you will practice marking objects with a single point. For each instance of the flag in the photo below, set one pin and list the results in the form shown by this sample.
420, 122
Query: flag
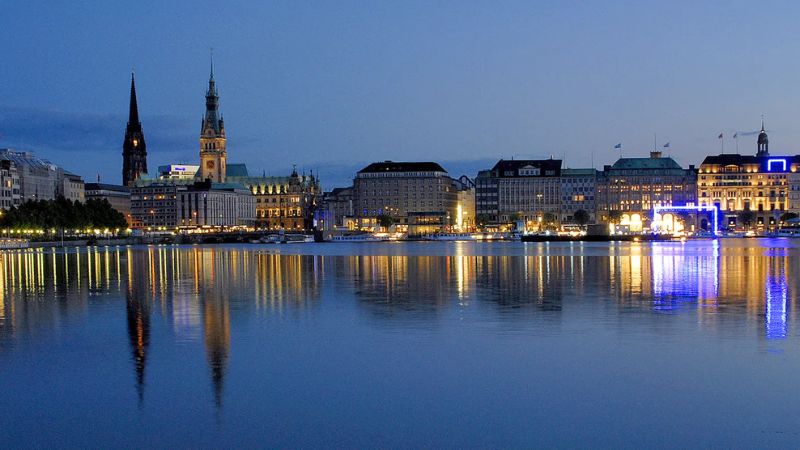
735, 135
720, 136
666, 145
618, 145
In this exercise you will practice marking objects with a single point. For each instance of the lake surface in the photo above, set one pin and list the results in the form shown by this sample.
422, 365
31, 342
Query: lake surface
403, 345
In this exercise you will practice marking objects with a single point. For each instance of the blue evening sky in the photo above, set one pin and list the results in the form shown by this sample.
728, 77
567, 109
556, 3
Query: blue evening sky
334, 85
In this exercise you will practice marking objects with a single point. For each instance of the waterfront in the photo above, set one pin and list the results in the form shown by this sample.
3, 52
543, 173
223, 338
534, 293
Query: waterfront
436, 344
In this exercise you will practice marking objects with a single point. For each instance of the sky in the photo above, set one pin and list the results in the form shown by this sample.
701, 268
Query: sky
333, 85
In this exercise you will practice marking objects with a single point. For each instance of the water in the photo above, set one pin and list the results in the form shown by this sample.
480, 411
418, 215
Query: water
402, 345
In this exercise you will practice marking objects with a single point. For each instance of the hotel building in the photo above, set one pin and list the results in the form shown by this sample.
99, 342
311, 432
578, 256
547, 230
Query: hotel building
763, 184
629, 190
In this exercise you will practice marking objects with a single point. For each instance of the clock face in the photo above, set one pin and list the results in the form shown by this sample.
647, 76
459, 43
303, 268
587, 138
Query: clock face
209, 164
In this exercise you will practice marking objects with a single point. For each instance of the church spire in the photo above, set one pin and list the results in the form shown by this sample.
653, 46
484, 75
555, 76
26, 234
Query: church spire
133, 114
134, 149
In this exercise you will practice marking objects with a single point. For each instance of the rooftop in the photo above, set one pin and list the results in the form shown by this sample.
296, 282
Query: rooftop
393, 166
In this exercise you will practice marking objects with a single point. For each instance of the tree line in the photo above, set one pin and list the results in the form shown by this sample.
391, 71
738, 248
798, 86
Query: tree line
63, 214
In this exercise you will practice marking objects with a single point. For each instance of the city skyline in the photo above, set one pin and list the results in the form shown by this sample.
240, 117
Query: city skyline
339, 86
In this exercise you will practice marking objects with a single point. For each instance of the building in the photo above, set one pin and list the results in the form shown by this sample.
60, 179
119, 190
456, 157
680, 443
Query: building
154, 205
402, 189
207, 204
764, 185
213, 145
519, 190
578, 193
465, 207
134, 149
71, 187
40, 179
9, 185
628, 190
118, 196
282, 203
337, 206
182, 172
167, 205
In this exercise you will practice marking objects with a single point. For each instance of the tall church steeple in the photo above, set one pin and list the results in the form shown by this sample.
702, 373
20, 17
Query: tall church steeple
213, 151
763, 142
134, 149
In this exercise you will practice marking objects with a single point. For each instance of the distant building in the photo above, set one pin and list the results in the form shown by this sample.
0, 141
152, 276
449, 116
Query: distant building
166, 205
403, 189
118, 196
337, 205
9, 185
628, 191
768, 186
40, 179
519, 190
465, 206
282, 203
71, 187
184, 172
134, 149
577, 193
216, 205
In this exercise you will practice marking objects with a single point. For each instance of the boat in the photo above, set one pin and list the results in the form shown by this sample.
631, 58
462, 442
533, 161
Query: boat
450, 237
9, 244
540, 237
366, 237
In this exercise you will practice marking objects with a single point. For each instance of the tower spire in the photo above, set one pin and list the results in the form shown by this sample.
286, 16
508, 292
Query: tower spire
133, 114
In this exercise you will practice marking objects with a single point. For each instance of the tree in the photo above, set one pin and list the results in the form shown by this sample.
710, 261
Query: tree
549, 220
614, 216
785, 217
581, 217
746, 218
385, 220
482, 220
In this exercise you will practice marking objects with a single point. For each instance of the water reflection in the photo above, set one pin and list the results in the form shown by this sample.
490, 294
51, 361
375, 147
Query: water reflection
201, 293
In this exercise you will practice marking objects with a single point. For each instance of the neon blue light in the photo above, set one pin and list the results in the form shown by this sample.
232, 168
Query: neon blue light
776, 307
772, 161
711, 208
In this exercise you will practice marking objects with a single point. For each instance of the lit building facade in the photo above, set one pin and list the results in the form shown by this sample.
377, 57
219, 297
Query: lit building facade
9, 185
402, 189
281, 203
337, 206
767, 186
578, 188
519, 190
182, 172
628, 190
72, 187
40, 179
154, 205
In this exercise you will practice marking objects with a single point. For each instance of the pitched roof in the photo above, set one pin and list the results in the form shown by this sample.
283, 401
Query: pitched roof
738, 160
393, 166
236, 170
645, 163
505, 165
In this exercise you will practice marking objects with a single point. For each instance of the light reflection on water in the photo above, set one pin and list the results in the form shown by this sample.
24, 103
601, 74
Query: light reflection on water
283, 301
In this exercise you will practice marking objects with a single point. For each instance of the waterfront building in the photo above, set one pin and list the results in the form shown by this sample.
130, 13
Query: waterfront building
213, 144
71, 187
9, 185
118, 196
205, 204
515, 191
402, 189
154, 205
184, 172
628, 190
578, 188
167, 205
40, 179
465, 206
134, 148
282, 203
337, 207
763, 185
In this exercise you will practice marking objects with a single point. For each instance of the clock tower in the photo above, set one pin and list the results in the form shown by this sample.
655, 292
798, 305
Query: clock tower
213, 152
